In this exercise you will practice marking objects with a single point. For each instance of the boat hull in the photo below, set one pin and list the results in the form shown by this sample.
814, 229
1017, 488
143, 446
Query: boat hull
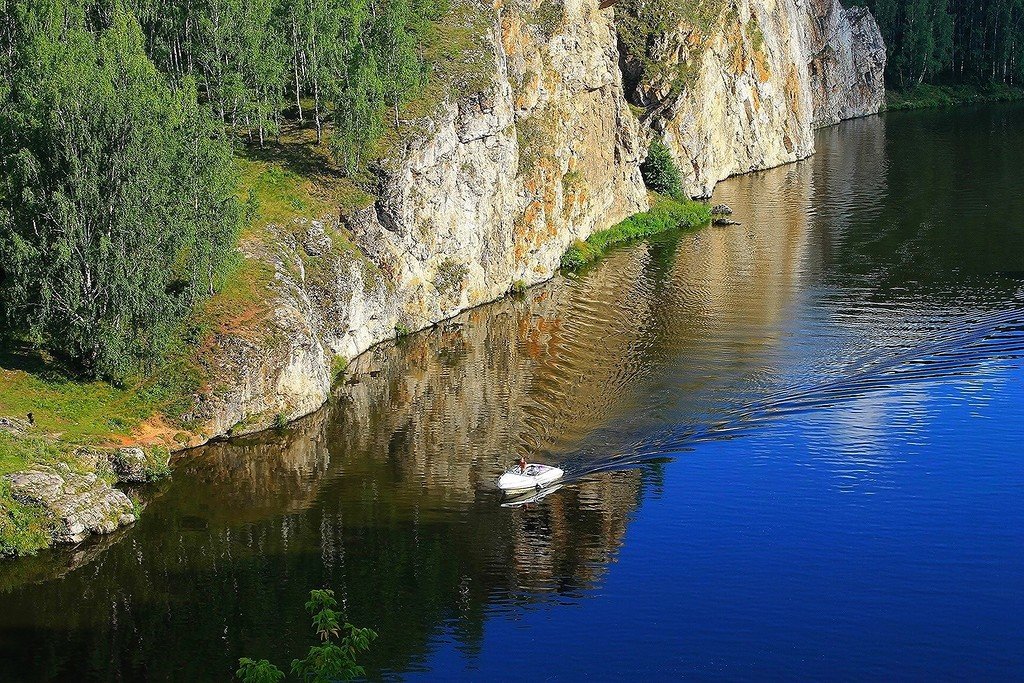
537, 476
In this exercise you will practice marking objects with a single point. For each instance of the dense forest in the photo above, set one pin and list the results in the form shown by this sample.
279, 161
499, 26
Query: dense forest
118, 119
952, 41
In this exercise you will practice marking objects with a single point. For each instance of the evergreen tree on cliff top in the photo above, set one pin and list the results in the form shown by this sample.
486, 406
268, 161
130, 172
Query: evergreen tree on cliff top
117, 199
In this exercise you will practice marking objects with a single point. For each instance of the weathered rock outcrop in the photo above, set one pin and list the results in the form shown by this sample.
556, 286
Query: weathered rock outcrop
744, 102
540, 151
79, 504
847, 65
77, 498
747, 92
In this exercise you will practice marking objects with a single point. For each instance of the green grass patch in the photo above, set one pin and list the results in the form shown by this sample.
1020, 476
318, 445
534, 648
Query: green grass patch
293, 178
458, 56
665, 214
18, 451
458, 60
937, 96
69, 412
24, 529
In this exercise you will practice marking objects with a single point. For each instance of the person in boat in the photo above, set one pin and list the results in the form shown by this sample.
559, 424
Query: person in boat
522, 464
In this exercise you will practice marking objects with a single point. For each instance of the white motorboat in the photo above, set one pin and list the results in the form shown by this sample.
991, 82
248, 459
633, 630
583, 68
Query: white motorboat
533, 477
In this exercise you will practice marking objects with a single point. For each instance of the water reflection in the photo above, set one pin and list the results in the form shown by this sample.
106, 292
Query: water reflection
826, 311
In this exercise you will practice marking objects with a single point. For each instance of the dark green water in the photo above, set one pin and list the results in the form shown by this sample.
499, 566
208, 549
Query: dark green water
793, 450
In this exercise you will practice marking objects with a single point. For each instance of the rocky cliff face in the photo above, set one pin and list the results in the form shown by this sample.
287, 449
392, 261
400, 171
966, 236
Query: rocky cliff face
538, 149
745, 89
543, 151
502, 182
847, 62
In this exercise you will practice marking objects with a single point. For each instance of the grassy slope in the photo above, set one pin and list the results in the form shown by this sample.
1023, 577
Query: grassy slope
69, 412
936, 96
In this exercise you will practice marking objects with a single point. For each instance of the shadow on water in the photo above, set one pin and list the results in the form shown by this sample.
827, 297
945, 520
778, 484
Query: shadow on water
845, 280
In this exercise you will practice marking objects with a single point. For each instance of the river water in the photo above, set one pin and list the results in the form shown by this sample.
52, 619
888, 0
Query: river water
793, 449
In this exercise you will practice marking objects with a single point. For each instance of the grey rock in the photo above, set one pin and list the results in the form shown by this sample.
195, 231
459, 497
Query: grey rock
724, 222
79, 504
13, 425
127, 465
721, 210
130, 465
756, 97
847, 64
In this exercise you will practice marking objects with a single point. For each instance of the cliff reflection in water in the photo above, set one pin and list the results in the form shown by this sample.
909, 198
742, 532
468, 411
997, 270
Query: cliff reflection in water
386, 495
828, 315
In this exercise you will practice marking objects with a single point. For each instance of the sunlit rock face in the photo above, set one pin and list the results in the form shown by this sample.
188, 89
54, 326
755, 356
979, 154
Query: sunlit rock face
847, 65
78, 504
746, 92
541, 149
745, 101
503, 180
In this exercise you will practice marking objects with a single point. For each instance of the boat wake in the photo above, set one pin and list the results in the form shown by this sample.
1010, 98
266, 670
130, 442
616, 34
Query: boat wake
995, 338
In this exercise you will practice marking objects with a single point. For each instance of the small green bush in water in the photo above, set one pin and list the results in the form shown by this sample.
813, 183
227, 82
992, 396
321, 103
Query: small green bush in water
660, 172
665, 214
334, 659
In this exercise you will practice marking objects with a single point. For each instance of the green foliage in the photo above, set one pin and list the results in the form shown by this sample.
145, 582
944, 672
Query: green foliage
24, 529
548, 17
450, 275
280, 421
158, 459
84, 412
518, 288
251, 671
665, 214
952, 41
927, 96
644, 26
117, 204
338, 366
660, 172
401, 330
332, 659
919, 38
355, 61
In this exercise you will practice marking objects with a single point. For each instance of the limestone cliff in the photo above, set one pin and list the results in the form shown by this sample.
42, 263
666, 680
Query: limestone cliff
740, 86
847, 62
502, 180
534, 145
542, 150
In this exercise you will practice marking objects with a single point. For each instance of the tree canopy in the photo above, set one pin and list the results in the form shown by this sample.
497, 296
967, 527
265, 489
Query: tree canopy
118, 118
117, 202
952, 41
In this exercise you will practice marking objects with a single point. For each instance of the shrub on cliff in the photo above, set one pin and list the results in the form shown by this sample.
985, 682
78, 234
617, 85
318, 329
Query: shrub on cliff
660, 172
117, 191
